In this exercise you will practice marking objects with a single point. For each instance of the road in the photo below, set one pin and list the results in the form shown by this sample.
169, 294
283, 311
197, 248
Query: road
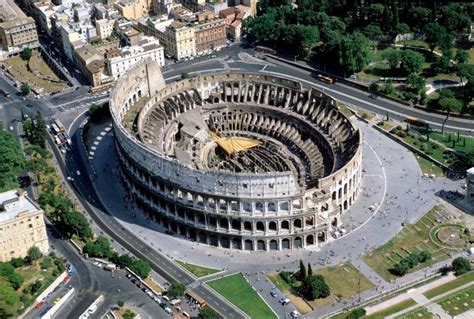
85, 192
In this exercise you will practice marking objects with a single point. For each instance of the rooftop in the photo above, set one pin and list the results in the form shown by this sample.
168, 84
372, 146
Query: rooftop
13, 203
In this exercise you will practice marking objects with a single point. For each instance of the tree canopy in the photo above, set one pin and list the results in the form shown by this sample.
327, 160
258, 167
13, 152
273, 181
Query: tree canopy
207, 312
176, 289
460, 266
12, 161
314, 287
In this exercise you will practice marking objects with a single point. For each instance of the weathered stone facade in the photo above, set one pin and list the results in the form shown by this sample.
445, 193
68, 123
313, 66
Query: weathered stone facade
284, 193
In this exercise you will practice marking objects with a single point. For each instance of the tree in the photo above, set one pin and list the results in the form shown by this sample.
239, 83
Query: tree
33, 254
76, 223
26, 54
176, 289
450, 105
120, 303
465, 71
416, 83
128, 314
393, 58
436, 35
354, 52
141, 268
12, 160
207, 312
461, 57
310, 270
17, 262
418, 17
401, 268
356, 313
374, 87
99, 248
460, 266
411, 62
314, 287
38, 131
9, 295
302, 273
25, 89
185, 76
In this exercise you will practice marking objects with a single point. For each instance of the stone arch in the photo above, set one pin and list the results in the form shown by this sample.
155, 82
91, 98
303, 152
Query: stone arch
236, 225
285, 225
345, 189
285, 243
345, 204
260, 226
248, 225
272, 226
225, 242
309, 240
309, 221
339, 195
297, 223
236, 243
297, 242
261, 245
321, 237
224, 223
334, 222
273, 244
248, 244
334, 195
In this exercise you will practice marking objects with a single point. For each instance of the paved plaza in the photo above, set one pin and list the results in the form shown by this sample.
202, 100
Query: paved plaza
393, 192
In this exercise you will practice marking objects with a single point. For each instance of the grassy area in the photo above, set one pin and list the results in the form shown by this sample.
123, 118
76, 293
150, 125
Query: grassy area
461, 280
427, 167
458, 302
413, 237
419, 313
35, 72
392, 310
198, 271
415, 43
238, 291
343, 280
450, 140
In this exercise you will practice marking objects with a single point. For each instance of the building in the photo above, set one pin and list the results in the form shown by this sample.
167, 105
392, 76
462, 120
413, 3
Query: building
90, 62
21, 226
162, 6
17, 31
245, 161
209, 33
42, 12
233, 17
119, 61
133, 9
181, 42
104, 28
193, 5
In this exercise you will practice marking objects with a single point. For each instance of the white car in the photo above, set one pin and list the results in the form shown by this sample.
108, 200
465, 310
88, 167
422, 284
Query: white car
295, 314
78, 173
168, 310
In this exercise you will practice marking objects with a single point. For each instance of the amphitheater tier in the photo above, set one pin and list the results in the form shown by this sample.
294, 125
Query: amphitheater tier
236, 160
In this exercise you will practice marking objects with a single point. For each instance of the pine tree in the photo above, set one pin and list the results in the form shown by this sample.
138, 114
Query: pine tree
302, 270
310, 270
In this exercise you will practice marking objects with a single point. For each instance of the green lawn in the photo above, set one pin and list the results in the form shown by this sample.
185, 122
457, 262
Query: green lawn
392, 310
419, 313
344, 279
411, 238
198, 271
239, 292
450, 140
458, 302
282, 285
461, 280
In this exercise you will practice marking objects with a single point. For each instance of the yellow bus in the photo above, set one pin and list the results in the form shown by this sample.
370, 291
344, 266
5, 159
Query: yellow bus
325, 79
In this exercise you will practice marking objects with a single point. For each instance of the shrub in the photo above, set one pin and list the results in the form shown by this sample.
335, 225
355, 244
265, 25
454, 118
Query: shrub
314, 287
288, 277
356, 313
461, 266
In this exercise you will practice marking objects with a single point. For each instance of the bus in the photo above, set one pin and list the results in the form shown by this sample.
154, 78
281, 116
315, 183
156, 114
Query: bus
416, 122
101, 88
325, 79
265, 49
4, 92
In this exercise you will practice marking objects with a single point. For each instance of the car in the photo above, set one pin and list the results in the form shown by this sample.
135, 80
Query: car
284, 300
57, 300
295, 314
78, 173
97, 264
157, 300
128, 276
168, 310
273, 293
11, 128
213, 56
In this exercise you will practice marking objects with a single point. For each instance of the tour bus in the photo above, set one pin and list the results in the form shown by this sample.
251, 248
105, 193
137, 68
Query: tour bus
416, 122
325, 79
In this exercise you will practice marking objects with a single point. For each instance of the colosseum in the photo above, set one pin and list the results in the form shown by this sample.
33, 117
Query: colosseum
244, 161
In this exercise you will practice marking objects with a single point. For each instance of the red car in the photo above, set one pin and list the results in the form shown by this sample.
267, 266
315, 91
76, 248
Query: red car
39, 304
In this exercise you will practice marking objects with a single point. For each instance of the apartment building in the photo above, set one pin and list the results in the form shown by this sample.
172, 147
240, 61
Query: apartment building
210, 32
181, 40
118, 61
17, 30
21, 226
104, 28
133, 9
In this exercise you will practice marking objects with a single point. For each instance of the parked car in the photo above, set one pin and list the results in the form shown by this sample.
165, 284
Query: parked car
273, 293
